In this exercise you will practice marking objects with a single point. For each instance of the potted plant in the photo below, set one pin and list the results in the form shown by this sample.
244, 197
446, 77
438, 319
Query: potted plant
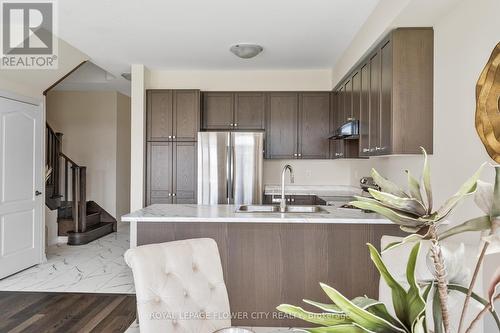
413, 211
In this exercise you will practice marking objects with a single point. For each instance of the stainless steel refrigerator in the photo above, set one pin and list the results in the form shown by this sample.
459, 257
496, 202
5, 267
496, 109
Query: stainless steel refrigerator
230, 167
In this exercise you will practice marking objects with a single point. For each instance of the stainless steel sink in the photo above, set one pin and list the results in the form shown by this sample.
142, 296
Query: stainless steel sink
276, 209
257, 209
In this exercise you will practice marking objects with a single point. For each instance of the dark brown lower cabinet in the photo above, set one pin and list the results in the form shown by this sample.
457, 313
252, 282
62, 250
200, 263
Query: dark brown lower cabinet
171, 173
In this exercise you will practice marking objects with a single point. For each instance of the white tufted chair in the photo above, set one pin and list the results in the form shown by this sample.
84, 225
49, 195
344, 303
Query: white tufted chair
180, 287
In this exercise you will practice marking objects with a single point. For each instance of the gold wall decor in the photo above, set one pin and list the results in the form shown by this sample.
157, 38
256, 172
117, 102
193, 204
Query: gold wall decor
488, 105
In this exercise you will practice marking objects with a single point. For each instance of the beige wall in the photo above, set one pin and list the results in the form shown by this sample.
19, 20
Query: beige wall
96, 128
32, 83
122, 155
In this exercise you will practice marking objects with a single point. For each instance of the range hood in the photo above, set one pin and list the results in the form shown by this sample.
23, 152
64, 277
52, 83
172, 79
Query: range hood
349, 130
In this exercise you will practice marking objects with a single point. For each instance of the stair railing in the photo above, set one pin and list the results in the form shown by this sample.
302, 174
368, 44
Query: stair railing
78, 191
53, 150
78, 181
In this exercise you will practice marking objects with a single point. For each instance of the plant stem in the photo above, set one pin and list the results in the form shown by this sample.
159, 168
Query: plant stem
471, 286
442, 283
481, 314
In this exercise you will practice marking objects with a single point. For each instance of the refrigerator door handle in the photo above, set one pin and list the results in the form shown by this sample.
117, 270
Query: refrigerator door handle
232, 157
228, 174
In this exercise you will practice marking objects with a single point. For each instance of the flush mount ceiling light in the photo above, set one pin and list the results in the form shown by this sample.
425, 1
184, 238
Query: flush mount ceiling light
246, 51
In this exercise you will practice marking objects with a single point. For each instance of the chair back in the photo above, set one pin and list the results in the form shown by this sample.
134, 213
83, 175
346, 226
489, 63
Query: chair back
179, 287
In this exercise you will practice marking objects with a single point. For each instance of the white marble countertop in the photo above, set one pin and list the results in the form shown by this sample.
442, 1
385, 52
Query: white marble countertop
319, 190
228, 214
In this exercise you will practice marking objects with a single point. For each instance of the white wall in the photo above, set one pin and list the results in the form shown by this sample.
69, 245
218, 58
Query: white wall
96, 129
465, 33
278, 80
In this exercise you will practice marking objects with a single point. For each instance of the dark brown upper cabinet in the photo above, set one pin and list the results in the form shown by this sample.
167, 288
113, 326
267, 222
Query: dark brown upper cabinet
396, 94
282, 125
173, 115
314, 125
233, 110
171, 173
298, 125
249, 111
364, 106
218, 110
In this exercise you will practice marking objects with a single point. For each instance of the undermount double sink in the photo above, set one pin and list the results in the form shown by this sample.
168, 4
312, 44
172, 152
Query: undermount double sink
276, 209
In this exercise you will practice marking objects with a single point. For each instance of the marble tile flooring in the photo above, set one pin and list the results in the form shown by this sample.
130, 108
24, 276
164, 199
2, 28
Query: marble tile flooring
97, 267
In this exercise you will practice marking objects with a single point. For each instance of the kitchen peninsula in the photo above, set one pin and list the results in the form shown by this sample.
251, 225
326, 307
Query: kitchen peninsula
270, 258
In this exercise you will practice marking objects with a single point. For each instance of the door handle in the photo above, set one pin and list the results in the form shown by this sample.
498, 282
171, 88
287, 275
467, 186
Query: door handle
37, 193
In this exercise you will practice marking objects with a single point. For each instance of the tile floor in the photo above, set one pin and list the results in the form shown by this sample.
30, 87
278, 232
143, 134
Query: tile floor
97, 267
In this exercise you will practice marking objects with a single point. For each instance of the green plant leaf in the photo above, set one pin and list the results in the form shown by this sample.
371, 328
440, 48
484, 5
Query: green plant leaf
325, 319
408, 239
414, 301
396, 217
366, 320
476, 224
397, 291
408, 205
323, 306
467, 188
387, 186
426, 179
495, 208
437, 315
414, 187
419, 326
335, 329
477, 298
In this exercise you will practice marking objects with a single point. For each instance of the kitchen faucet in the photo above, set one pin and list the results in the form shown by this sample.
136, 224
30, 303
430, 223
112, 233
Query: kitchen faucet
283, 198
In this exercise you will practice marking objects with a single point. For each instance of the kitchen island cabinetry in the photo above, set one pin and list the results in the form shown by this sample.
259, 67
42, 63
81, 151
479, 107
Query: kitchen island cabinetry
269, 259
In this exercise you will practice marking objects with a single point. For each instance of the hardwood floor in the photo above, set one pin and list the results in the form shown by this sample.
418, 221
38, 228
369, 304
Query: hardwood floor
65, 312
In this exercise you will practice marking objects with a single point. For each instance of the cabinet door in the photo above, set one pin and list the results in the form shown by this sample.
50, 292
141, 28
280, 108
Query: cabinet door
347, 101
336, 149
159, 173
364, 115
281, 127
386, 99
186, 115
374, 103
218, 109
356, 95
159, 115
339, 114
249, 112
314, 125
184, 172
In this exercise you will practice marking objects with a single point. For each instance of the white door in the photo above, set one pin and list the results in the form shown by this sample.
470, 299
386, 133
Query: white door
21, 203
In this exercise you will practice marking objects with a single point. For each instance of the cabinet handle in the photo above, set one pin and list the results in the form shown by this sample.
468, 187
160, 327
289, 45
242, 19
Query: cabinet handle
294, 155
235, 125
173, 194
300, 155
170, 194
231, 125
173, 137
378, 148
170, 137
366, 150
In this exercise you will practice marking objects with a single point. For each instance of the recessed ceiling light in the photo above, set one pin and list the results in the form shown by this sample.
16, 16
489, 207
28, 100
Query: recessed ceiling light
127, 76
246, 51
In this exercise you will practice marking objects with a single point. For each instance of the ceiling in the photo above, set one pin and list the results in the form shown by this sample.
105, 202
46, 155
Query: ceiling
90, 77
197, 34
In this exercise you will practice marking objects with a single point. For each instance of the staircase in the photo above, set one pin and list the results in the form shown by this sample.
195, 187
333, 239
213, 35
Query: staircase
65, 187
